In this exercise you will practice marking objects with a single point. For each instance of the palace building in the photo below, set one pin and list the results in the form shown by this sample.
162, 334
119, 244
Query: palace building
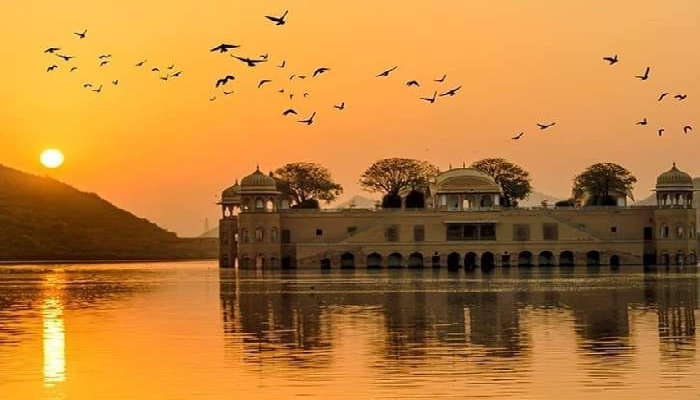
455, 221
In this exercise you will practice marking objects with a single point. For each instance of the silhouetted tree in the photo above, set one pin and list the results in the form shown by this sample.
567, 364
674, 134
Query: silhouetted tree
391, 175
308, 183
601, 180
514, 181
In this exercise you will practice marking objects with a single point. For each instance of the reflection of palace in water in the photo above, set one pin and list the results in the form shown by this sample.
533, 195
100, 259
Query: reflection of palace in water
456, 221
290, 319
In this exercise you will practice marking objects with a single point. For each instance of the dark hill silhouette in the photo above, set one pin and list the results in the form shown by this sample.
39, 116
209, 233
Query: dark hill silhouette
44, 219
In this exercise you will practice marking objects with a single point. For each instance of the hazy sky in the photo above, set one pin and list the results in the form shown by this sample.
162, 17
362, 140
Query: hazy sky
163, 151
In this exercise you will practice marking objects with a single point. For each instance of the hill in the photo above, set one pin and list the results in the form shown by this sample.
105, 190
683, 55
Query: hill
535, 199
44, 219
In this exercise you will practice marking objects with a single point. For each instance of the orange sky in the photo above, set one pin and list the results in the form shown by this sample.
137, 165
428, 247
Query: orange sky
163, 151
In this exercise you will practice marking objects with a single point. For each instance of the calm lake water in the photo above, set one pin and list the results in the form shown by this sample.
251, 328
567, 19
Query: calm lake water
192, 331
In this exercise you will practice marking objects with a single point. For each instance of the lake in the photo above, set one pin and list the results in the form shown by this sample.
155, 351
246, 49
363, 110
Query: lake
192, 331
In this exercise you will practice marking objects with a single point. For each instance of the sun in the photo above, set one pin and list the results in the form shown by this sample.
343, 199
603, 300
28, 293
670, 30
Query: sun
51, 158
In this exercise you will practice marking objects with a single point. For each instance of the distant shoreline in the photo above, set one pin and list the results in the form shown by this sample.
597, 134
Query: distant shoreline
50, 262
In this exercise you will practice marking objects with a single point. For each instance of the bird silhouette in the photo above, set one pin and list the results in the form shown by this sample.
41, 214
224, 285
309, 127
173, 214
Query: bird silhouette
228, 93
280, 91
319, 71
224, 47
340, 107
301, 76
413, 83
545, 126
212, 98
98, 90
289, 111
645, 76
51, 68
140, 63
662, 96
441, 79
451, 92
518, 136
611, 60
291, 96
52, 49
661, 131
87, 85
176, 74
278, 20
171, 66
115, 82
687, 128
309, 120
249, 61
103, 63
642, 122
164, 78
73, 68
104, 56
81, 35
155, 69
306, 94
65, 58
387, 72
224, 80
282, 64
430, 100
262, 82
680, 97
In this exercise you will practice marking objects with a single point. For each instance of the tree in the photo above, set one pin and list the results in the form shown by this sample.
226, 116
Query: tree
308, 183
602, 180
391, 175
513, 180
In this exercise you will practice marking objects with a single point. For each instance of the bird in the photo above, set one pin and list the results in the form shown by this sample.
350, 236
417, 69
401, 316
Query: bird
278, 20
319, 71
289, 111
52, 50
224, 80
663, 95
104, 56
645, 76
611, 60
451, 92
171, 66
518, 136
103, 63
282, 64
164, 78
306, 94
249, 61
340, 107
680, 97
291, 96
212, 98
545, 126
301, 76
687, 128
444, 76
98, 90
73, 68
387, 72
661, 131
155, 69
87, 85
280, 91
81, 35
430, 100
264, 56
115, 82
309, 120
642, 122
262, 82
51, 68
224, 47
413, 83
140, 63
65, 58
176, 74
228, 93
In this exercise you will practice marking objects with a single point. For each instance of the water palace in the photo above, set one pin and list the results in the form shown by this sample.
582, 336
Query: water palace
456, 221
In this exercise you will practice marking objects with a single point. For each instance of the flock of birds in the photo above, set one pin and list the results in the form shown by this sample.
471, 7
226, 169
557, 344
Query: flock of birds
224, 82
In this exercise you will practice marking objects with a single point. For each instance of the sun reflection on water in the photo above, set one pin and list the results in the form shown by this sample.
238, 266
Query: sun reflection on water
54, 341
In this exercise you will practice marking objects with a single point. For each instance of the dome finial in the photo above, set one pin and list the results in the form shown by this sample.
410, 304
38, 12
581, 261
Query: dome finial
674, 164
257, 167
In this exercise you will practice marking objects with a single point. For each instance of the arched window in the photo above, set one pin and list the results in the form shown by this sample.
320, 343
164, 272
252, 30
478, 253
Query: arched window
246, 205
244, 235
680, 232
259, 234
692, 259
691, 231
486, 201
415, 199
664, 231
273, 262
284, 204
259, 204
273, 235
259, 261
269, 205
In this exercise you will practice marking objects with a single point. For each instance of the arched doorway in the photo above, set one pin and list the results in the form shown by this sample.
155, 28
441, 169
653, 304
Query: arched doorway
488, 260
566, 259
326, 263
391, 201
453, 260
374, 260
415, 260
470, 260
680, 258
665, 259
525, 259
545, 259
347, 260
615, 261
436, 261
593, 258
395, 260
415, 199
692, 259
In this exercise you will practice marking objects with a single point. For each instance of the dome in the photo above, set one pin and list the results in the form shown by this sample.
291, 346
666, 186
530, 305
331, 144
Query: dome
257, 182
231, 194
466, 180
674, 179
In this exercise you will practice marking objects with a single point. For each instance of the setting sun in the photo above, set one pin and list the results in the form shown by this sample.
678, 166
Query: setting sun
51, 158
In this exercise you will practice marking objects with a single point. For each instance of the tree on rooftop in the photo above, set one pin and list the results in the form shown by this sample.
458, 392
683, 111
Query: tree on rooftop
600, 181
308, 183
391, 175
513, 179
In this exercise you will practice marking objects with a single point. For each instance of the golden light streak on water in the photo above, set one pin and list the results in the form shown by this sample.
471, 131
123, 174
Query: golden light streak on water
54, 342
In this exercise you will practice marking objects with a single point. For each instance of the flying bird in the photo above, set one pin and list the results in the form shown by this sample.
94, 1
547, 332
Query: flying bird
73, 68
545, 126
103, 63
642, 122
687, 128
115, 82
680, 97
661, 131
155, 69
387, 72
430, 100
98, 90
171, 66
224, 47
87, 85
518, 136
441, 79
249, 61
52, 50
289, 111
319, 71
663, 95
176, 74
81, 35
291, 96
224, 80
278, 20
228, 93
140, 63
164, 78
65, 58
451, 92
212, 98
265, 56
309, 120
413, 83
51, 68
105, 56
282, 64
306, 94
340, 107
280, 91
645, 76
301, 76
262, 82
611, 60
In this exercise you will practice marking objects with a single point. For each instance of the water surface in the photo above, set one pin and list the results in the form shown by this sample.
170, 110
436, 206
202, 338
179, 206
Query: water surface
192, 331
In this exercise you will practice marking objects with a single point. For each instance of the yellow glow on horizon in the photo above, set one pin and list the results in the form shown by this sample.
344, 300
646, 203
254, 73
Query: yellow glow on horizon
51, 158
